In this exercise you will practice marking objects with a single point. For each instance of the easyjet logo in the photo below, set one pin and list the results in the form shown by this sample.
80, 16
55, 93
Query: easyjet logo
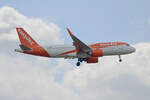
109, 44
25, 37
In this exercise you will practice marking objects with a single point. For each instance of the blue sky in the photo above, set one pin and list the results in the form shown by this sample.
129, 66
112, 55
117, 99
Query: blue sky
92, 20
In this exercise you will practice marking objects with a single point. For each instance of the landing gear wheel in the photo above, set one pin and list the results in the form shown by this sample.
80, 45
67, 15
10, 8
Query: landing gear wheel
78, 64
120, 60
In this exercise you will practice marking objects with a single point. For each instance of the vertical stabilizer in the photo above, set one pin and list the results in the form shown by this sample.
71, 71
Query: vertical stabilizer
25, 38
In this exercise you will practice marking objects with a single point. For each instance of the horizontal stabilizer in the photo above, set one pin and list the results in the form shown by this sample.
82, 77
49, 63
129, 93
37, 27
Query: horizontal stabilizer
25, 48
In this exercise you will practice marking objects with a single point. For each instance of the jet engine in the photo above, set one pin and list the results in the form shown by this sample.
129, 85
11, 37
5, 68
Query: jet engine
92, 60
96, 53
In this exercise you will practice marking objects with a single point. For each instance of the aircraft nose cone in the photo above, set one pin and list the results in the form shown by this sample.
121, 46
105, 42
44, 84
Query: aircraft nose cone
132, 49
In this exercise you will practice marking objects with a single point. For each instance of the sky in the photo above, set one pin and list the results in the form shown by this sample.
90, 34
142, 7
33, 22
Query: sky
26, 77
109, 20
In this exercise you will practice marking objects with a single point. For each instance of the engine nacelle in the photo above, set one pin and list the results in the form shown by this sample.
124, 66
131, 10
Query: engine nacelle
97, 52
92, 60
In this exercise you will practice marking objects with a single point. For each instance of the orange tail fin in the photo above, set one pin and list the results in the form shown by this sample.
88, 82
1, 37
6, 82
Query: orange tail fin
25, 38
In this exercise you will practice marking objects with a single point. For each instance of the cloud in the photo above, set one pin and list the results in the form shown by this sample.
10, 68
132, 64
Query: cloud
25, 77
38, 29
111, 80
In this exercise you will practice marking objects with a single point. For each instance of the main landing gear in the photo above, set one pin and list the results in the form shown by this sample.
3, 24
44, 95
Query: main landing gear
120, 60
85, 59
81, 60
78, 63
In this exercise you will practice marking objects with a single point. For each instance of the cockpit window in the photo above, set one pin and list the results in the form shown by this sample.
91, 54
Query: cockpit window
127, 45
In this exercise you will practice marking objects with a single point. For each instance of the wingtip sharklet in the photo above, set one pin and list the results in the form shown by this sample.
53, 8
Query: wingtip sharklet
70, 33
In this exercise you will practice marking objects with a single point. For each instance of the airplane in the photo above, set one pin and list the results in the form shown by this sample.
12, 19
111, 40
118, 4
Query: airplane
83, 52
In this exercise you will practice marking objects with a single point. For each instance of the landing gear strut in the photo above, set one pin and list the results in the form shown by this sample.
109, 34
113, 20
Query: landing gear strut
120, 60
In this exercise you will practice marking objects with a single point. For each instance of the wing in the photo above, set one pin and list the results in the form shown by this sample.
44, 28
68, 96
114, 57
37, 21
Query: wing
82, 49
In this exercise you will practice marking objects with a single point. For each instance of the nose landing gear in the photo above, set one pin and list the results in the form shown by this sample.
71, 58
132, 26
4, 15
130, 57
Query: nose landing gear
120, 60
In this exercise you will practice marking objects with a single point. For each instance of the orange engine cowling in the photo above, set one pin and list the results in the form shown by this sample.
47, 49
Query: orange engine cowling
97, 52
92, 60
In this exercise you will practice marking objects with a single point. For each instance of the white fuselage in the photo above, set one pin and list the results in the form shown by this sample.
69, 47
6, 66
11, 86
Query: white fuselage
79, 49
55, 51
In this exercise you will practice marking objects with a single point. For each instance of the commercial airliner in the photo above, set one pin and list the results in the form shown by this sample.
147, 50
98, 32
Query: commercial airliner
83, 52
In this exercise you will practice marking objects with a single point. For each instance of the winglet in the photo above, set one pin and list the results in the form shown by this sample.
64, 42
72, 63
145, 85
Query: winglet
80, 46
70, 33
